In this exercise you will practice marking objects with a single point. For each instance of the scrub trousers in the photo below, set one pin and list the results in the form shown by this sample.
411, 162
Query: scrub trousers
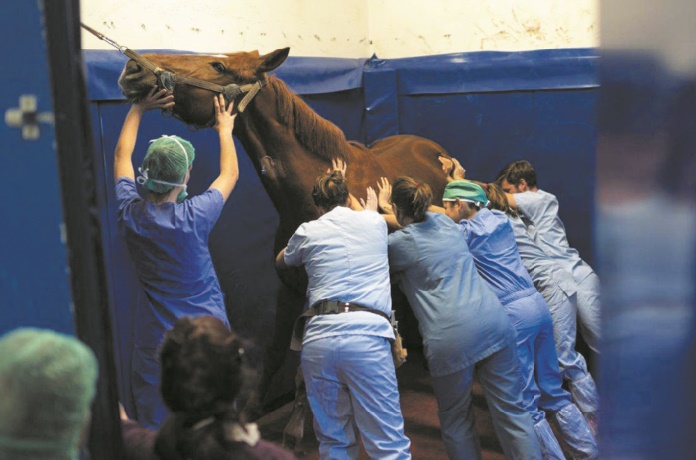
150, 410
531, 318
573, 366
500, 377
351, 387
590, 310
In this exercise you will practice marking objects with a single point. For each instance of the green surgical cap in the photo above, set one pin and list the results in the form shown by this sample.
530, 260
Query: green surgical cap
166, 162
466, 191
47, 384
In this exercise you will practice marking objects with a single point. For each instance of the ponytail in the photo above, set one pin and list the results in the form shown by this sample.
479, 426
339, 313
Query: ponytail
411, 198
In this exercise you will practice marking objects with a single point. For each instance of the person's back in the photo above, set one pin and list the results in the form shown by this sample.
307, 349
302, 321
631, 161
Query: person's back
455, 308
169, 244
492, 243
546, 274
541, 208
47, 382
354, 245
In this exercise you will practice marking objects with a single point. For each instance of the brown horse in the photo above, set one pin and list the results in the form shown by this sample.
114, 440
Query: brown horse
289, 146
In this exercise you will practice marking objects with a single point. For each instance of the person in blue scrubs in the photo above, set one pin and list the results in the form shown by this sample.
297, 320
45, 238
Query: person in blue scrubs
346, 351
167, 238
465, 329
559, 290
491, 241
518, 179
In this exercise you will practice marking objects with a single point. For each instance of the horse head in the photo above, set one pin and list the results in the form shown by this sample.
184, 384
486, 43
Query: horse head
195, 78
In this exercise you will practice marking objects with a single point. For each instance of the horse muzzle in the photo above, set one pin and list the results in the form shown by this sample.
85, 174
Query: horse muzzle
135, 81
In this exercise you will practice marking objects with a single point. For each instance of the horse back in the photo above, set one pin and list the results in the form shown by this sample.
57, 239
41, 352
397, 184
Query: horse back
400, 155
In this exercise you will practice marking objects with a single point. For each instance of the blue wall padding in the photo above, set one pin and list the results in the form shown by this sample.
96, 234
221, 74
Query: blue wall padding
486, 109
497, 71
381, 100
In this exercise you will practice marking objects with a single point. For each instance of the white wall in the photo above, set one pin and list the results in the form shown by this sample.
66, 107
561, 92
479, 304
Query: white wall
344, 28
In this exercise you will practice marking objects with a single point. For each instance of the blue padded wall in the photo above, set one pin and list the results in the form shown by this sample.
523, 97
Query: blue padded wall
486, 109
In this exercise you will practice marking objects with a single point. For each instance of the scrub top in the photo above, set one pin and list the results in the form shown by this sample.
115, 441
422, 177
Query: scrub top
547, 275
344, 253
460, 318
168, 244
542, 209
492, 243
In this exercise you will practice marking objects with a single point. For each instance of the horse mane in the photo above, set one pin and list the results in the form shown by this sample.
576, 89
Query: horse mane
315, 133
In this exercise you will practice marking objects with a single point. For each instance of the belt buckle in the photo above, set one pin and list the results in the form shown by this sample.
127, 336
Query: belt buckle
330, 307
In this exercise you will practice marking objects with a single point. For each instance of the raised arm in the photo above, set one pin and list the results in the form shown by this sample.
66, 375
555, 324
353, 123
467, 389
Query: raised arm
123, 156
384, 203
229, 166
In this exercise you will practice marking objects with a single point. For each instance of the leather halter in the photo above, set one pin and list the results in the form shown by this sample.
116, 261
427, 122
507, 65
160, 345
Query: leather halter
168, 80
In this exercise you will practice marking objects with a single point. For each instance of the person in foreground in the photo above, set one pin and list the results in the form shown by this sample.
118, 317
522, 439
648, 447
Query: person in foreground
203, 373
464, 327
346, 353
167, 238
491, 241
47, 384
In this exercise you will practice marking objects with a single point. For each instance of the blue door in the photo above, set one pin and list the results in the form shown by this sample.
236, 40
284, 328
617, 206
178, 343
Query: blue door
34, 275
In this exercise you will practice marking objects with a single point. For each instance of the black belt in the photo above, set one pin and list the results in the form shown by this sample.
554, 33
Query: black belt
332, 307
327, 307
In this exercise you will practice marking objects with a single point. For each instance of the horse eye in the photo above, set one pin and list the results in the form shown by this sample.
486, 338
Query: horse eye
218, 66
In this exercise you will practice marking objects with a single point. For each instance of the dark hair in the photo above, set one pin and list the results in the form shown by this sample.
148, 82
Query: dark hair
411, 198
516, 171
202, 364
330, 190
203, 372
497, 199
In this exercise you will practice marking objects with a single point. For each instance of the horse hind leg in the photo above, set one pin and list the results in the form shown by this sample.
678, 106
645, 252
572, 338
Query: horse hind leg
294, 430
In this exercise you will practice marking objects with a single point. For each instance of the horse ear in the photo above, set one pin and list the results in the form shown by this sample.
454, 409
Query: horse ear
273, 59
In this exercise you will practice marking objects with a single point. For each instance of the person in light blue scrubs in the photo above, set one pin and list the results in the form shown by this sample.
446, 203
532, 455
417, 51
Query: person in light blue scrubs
465, 329
518, 179
559, 290
346, 351
167, 238
491, 241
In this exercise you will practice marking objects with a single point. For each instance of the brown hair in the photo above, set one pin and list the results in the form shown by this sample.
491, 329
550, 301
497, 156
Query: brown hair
202, 364
330, 190
497, 199
203, 372
516, 171
411, 198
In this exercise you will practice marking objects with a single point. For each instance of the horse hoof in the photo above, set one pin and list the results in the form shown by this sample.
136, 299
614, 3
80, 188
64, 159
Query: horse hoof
294, 430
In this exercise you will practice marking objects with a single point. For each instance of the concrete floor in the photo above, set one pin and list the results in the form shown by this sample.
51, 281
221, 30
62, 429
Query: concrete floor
419, 408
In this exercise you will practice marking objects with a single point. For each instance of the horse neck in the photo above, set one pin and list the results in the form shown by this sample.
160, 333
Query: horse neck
291, 165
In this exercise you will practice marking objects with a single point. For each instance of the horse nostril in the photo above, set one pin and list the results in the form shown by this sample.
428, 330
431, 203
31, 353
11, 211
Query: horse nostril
133, 67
